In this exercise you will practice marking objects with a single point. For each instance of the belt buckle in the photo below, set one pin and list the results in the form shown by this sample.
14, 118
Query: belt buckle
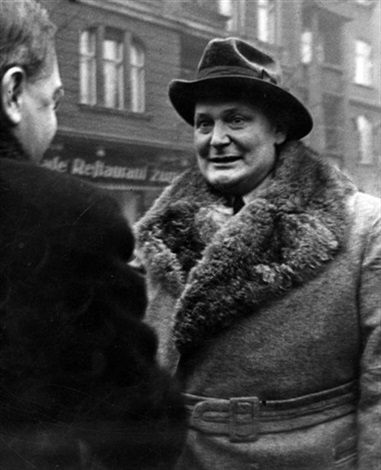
243, 419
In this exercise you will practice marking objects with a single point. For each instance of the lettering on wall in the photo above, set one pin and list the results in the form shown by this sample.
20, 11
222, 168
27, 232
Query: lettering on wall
98, 169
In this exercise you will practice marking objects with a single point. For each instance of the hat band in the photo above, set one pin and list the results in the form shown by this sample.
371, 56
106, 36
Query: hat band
220, 71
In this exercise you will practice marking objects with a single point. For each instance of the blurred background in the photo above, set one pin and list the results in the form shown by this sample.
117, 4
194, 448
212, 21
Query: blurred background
116, 127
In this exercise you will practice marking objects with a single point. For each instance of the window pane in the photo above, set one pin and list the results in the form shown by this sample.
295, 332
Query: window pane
365, 131
235, 11
110, 85
225, 7
306, 47
266, 20
113, 70
363, 63
137, 77
87, 67
262, 20
109, 50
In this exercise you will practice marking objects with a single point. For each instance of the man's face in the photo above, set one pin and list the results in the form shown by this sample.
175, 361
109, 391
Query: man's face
235, 144
38, 103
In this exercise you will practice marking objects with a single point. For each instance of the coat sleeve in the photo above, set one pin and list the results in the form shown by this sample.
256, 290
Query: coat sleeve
369, 414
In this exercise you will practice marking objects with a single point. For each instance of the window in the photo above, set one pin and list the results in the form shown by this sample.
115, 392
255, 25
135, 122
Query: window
235, 11
225, 7
365, 140
137, 79
112, 69
306, 47
363, 63
87, 54
266, 20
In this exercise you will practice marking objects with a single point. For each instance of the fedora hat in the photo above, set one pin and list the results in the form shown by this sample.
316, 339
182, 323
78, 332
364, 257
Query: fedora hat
231, 67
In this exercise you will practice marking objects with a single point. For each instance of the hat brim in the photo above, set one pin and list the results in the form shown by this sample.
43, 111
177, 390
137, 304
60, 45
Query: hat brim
184, 94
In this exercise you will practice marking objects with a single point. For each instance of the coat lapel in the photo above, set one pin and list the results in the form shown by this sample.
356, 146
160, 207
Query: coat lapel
168, 239
278, 241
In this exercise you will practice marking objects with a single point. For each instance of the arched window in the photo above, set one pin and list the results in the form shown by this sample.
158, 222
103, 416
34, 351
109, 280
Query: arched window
112, 69
137, 76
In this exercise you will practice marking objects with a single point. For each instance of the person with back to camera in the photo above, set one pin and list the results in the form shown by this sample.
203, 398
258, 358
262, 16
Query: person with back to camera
263, 273
80, 387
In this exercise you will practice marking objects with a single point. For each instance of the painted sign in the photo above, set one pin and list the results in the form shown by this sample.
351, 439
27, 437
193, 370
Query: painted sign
99, 170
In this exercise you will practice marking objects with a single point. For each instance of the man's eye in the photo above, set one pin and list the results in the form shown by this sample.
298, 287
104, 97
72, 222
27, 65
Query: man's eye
204, 126
237, 120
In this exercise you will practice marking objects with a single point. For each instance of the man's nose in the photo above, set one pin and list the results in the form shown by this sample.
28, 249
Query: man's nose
220, 135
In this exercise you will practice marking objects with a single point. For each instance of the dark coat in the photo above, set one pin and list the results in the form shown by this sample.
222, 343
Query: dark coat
281, 304
78, 376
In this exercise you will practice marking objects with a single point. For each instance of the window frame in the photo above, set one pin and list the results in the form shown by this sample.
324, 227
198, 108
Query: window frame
117, 68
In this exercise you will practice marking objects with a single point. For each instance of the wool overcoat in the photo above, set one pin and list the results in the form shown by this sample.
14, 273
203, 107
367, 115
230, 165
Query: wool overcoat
79, 382
271, 318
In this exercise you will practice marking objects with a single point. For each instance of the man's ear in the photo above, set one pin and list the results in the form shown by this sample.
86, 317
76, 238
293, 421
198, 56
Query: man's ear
12, 86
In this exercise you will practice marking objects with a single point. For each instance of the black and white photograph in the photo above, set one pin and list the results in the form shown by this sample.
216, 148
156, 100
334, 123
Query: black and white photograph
190, 235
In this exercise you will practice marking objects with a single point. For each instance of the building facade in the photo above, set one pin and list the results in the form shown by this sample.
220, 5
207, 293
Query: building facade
117, 127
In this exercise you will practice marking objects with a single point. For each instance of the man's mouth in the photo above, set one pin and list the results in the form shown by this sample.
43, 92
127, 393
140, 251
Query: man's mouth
225, 159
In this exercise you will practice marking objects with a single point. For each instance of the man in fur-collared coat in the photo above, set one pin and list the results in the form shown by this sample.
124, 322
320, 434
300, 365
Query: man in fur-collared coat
269, 313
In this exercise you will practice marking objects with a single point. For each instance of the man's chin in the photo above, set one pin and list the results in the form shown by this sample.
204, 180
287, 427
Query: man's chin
225, 185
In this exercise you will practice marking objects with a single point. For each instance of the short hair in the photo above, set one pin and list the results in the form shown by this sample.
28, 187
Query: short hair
26, 37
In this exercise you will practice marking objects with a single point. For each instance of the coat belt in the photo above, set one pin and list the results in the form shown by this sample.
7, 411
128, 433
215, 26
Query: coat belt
243, 419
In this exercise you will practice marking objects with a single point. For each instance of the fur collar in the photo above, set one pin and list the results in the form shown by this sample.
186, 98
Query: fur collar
219, 269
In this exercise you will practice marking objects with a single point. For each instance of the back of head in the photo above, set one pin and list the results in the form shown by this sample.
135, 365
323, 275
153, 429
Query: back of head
26, 38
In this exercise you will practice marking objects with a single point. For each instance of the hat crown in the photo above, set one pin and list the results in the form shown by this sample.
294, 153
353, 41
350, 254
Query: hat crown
234, 56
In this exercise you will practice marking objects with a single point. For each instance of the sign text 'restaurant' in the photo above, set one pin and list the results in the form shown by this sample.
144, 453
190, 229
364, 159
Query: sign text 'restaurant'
99, 169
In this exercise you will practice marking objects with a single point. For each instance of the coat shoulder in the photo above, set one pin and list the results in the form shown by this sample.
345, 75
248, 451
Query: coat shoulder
61, 205
40, 184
